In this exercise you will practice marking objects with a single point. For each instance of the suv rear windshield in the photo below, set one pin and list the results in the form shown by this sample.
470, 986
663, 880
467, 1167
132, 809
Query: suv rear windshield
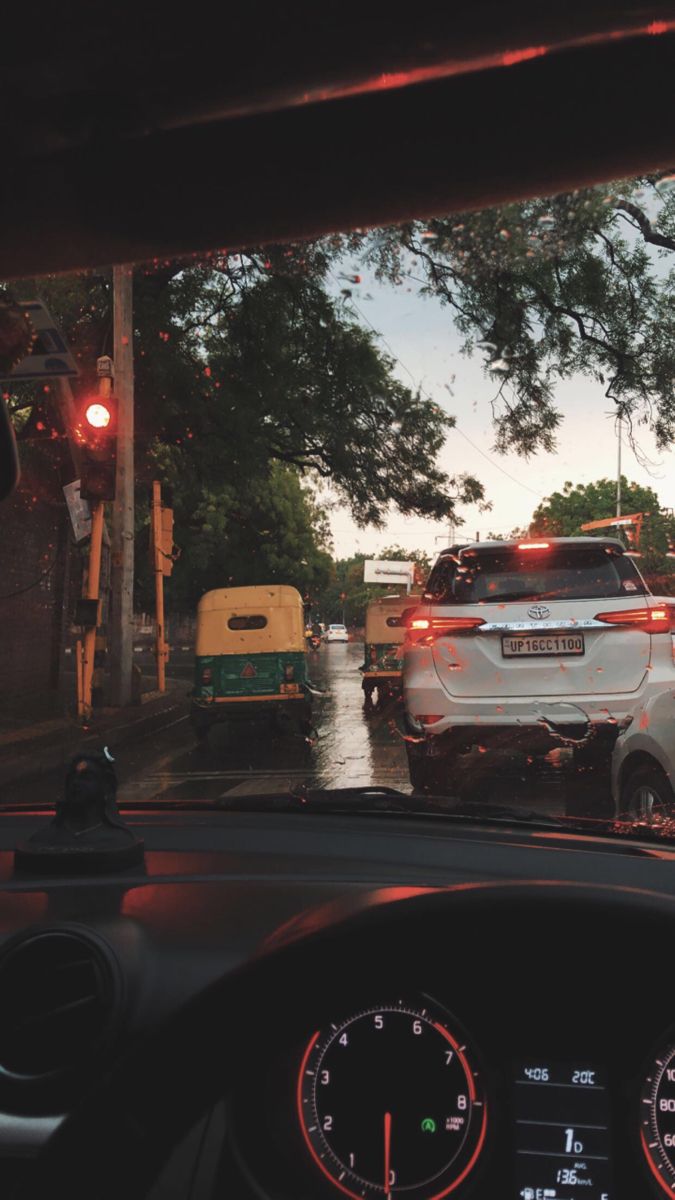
561, 573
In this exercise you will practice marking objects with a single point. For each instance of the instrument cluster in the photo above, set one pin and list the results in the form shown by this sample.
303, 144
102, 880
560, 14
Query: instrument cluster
398, 1100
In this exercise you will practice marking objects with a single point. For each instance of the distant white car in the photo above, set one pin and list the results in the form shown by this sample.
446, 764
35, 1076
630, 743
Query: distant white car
336, 633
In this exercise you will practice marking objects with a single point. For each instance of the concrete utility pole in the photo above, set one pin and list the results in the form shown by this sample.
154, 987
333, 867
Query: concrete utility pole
619, 430
158, 568
122, 590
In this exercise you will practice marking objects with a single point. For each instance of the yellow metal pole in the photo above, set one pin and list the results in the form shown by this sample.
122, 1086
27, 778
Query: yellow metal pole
78, 678
93, 581
93, 584
159, 584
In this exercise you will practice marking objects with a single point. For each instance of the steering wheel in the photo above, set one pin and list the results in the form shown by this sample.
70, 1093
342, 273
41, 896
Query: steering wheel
116, 1141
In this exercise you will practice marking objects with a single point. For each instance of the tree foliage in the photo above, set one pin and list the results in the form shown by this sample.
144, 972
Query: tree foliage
546, 288
347, 580
563, 513
254, 383
269, 531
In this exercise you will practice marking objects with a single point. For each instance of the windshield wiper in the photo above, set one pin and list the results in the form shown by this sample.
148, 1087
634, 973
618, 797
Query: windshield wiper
365, 800
327, 800
368, 801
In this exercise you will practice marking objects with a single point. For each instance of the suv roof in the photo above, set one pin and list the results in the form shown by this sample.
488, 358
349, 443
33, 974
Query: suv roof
490, 547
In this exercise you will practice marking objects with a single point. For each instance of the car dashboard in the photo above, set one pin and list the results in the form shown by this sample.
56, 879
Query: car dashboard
509, 1031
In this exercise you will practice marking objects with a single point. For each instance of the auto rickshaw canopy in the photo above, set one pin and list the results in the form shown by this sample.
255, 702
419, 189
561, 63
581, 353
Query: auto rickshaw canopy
382, 619
250, 620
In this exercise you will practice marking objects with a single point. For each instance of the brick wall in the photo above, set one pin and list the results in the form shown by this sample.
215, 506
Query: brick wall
40, 576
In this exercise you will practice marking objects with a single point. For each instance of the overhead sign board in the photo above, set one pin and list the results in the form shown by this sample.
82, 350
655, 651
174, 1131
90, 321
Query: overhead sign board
379, 570
49, 356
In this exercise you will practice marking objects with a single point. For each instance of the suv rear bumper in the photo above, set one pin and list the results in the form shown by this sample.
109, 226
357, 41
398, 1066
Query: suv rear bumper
508, 712
590, 737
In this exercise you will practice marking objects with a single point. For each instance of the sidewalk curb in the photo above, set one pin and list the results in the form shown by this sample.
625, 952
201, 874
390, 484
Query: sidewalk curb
31, 761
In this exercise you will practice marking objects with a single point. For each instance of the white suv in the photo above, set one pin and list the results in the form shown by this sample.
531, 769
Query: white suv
545, 644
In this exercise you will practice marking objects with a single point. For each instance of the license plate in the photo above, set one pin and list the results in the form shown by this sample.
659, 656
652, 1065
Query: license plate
549, 645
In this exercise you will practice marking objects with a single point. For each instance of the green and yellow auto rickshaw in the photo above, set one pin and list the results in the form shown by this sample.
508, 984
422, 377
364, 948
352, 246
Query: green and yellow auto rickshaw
250, 659
384, 636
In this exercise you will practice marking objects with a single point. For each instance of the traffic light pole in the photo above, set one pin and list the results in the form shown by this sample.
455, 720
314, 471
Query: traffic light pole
122, 608
92, 593
157, 545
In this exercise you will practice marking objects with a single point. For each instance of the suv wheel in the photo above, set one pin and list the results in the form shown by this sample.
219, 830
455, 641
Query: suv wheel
646, 793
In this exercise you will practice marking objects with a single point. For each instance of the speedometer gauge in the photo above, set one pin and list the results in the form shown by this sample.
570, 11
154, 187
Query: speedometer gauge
390, 1103
657, 1134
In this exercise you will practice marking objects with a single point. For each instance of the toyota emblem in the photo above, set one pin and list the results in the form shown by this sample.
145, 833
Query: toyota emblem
538, 612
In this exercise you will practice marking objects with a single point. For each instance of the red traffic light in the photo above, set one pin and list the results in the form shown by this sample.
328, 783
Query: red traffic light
98, 415
97, 436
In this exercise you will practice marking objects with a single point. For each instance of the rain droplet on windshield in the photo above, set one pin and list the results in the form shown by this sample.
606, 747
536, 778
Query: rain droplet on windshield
666, 185
499, 365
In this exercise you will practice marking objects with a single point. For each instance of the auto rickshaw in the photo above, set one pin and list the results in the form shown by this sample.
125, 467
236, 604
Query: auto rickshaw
384, 635
250, 659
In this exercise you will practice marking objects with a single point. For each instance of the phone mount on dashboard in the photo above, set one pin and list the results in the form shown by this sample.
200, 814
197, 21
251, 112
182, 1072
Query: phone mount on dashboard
87, 833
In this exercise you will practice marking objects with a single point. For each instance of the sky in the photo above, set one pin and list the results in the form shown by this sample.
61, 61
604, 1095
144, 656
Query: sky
419, 332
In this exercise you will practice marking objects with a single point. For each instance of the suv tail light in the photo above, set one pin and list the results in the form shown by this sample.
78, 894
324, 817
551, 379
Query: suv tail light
439, 626
652, 620
429, 718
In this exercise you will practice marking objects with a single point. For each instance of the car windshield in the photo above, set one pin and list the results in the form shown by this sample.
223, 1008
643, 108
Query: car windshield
385, 516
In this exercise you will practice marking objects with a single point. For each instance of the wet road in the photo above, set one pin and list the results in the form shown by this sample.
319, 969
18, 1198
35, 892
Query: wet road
348, 749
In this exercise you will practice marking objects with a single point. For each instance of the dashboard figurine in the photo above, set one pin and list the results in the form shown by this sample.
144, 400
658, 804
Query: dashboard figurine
87, 833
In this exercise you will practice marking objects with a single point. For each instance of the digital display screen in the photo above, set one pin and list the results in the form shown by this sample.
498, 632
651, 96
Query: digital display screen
562, 1132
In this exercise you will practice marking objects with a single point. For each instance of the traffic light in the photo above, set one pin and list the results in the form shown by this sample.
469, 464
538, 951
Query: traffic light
97, 437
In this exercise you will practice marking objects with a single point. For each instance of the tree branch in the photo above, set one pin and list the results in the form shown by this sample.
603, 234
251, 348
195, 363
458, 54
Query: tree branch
645, 226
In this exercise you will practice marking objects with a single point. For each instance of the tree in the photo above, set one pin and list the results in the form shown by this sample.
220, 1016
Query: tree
421, 559
546, 288
563, 513
516, 534
270, 531
251, 378
246, 359
347, 579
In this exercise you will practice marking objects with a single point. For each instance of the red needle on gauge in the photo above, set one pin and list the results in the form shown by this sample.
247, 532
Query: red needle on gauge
387, 1151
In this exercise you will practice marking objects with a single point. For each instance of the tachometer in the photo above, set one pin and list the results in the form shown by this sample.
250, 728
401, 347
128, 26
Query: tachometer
657, 1111
391, 1103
